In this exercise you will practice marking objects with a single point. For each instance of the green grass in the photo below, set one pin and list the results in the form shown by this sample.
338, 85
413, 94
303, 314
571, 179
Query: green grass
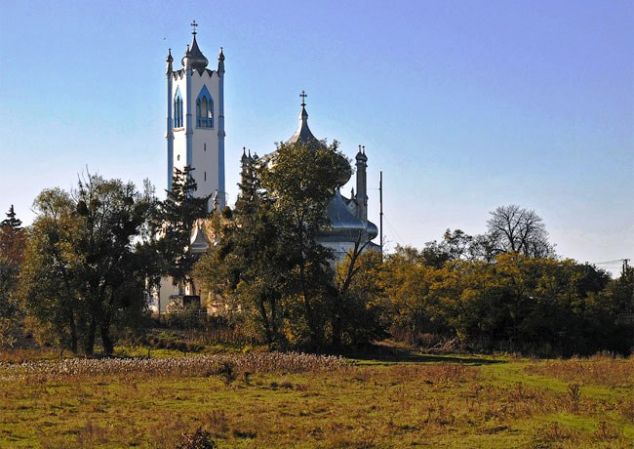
397, 401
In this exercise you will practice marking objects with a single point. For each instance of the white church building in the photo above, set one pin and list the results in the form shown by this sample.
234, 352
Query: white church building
196, 138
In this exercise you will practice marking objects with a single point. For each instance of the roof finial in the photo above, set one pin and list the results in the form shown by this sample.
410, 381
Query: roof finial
194, 25
303, 95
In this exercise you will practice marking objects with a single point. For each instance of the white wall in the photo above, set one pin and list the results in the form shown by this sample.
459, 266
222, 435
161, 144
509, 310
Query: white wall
204, 161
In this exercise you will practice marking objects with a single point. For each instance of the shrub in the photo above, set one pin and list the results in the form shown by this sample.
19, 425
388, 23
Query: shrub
200, 439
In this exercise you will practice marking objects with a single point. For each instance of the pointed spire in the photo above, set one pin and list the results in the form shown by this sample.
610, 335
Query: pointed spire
221, 61
304, 115
169, 61
193, 55
243, 159
303, 133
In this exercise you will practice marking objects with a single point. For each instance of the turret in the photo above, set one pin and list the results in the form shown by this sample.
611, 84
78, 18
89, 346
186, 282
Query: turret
221, 62
169, 61
362, 196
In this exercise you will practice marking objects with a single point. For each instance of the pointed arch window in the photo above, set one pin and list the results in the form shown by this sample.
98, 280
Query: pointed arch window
204, 109
178, 109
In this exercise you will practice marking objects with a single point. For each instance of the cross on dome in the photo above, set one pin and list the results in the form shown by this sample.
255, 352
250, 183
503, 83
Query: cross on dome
194, 25
303, 95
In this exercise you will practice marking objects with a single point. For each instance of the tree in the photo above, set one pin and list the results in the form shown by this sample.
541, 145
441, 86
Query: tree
12, 241
82, 277
149, 245
517, 230
179, 212
249, 263
302, 179
11, 220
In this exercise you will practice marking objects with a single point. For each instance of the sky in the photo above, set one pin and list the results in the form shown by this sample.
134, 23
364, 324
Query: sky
464, 105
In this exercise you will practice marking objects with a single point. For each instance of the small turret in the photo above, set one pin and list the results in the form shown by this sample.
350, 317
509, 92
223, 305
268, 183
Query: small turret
169, 61
362, 196
221, 62
244, 159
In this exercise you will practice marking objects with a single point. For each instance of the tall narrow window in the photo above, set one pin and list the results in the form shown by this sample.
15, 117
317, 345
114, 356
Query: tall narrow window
178, 109
205, 176
204, 109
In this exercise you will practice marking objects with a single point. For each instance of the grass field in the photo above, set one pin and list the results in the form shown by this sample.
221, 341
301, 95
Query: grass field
275, 401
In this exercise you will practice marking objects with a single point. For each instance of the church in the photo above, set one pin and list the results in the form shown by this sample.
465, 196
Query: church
196, 138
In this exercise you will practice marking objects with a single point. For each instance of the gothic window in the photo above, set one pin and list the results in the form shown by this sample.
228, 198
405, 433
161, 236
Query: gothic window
178, 109
204, 109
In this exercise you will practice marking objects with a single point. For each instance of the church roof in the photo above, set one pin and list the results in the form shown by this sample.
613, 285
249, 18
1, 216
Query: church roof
199, 242
303, 133
196, 58
344, 226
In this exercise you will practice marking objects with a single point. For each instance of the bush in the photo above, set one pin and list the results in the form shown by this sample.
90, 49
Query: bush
188, 317
200, 439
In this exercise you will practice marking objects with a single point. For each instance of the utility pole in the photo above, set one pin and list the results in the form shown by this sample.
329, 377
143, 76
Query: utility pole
381, 212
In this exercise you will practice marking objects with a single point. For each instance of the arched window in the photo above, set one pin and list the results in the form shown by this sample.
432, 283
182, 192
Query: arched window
178, 109
204, 109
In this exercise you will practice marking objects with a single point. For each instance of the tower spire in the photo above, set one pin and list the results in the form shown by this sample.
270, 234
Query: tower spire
169, 61
303, 117
221, 61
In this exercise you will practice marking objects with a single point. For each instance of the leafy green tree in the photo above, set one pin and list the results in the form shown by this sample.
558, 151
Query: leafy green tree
302, 179
82, 277
249, 264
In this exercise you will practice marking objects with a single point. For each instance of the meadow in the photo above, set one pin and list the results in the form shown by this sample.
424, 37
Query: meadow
273, 400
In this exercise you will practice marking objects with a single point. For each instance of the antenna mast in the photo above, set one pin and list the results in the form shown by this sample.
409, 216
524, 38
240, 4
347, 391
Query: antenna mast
381, 212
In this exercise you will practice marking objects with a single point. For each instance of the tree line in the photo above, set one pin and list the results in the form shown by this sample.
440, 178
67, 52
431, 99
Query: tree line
80, 275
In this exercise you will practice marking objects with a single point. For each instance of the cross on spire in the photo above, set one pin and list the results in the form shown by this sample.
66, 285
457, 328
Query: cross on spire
303, 95
194, 25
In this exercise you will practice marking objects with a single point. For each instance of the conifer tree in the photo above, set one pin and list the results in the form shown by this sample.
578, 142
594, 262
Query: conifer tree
180, 211
12, 240
11, 220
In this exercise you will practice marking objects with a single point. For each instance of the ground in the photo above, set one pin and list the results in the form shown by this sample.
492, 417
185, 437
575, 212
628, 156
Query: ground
273, 401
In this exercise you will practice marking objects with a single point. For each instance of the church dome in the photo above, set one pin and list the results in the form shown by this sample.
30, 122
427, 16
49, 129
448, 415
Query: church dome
344, 226
303, 134
196, 59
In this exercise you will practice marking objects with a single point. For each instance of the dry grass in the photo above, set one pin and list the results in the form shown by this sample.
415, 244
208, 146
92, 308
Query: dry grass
600, 370
298, 401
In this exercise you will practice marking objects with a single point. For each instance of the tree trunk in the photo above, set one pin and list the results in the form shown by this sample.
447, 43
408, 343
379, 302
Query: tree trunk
265, 320
89, 343
73, 332
106, 341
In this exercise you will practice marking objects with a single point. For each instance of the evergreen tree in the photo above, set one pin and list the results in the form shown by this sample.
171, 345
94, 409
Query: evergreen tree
12, 241
180, 211
11, 220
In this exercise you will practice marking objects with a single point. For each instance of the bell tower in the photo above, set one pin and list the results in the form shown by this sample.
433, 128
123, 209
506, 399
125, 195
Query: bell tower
195, 121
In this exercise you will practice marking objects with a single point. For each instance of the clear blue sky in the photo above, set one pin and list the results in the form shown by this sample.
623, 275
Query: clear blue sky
465, 105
